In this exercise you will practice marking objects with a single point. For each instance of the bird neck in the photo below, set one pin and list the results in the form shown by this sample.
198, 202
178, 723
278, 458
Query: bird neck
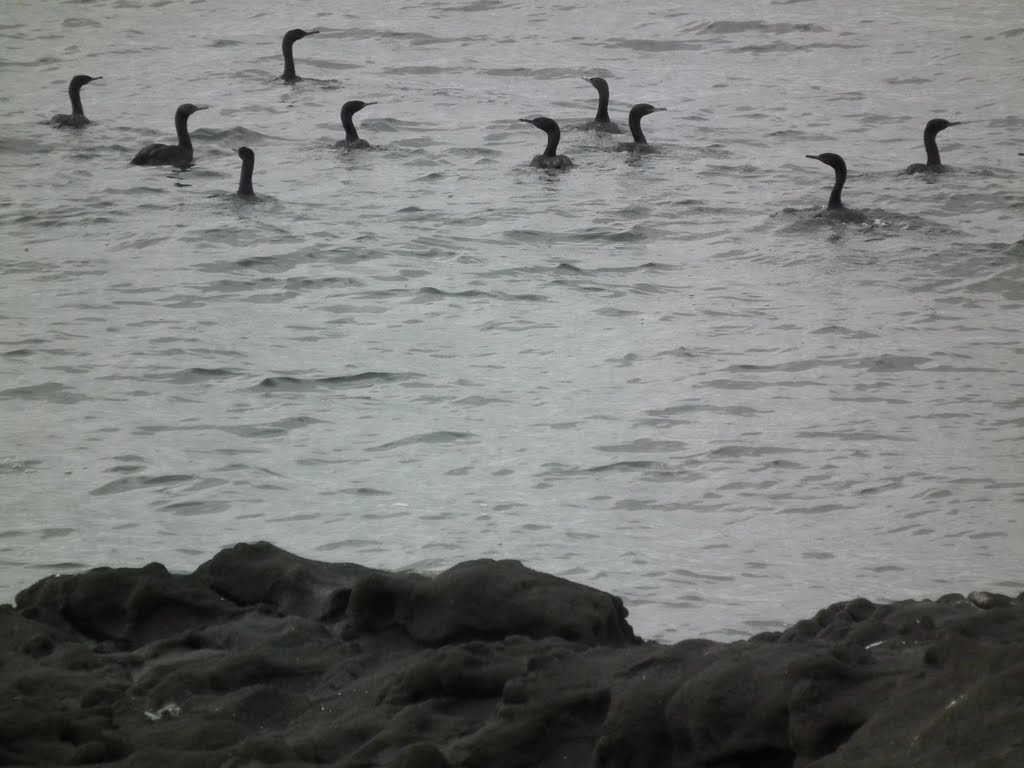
552, 148
289, 61
602, 107
636, 130
835, 200
181, 126
349, 126
245, 180
76, 100
931, 148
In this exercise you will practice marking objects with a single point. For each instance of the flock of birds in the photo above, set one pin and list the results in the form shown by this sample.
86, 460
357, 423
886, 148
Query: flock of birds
181, 154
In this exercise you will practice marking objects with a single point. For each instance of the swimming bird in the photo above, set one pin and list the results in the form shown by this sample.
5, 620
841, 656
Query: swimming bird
352, 140
836, 210
601, 121
549, 159
287, 42
835, 200
245, 179
639, 142
934, 164
179, 154
77, 118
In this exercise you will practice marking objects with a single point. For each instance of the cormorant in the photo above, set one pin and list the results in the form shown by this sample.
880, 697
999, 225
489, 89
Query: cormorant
352, 140
245, 179
601, 121
836, 210
179, 154
287, 42
639, 143
934, 163
549, 159
835, 200
77, 118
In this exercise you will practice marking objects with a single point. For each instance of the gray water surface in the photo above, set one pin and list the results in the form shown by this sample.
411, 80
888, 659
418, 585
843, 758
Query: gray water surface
665, 376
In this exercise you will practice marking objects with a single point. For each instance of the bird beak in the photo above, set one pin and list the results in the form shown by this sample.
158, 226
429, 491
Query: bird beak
958, 122
368, 103
98, 78
314, 32
526, 120
202, 106
585, 78
660, 109
811, 157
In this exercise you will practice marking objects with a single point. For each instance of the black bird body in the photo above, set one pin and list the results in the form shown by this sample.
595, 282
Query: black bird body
933, 162
245, 178
601, 123
550, 158
639, 142
287, 42
77, 118
352, 140
179, 154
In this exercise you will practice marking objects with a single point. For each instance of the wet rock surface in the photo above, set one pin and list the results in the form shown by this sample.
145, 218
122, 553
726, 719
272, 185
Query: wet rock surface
264, 658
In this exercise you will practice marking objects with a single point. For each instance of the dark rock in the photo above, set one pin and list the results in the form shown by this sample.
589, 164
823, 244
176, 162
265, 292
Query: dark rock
261, 658
860, 609
130, 605
986, 600
487, 600
254, 574
37, 646
421, 755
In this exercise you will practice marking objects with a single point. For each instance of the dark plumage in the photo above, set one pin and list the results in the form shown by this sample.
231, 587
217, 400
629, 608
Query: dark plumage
245, 179
287, 42
836, 210
639, 142
601, 122
835, 200
352, 140
934, 163
550, 158
179, 154
77, 118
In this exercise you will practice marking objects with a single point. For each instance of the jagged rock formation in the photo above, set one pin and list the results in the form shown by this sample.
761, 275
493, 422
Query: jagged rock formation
263, 658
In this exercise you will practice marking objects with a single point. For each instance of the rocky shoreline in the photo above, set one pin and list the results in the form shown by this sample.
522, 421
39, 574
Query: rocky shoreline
263, 658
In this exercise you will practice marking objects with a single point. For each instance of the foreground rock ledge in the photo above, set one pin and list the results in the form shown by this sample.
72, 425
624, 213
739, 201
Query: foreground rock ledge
264, 658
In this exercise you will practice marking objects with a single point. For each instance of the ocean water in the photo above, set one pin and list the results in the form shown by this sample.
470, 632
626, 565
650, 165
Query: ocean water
663, 375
